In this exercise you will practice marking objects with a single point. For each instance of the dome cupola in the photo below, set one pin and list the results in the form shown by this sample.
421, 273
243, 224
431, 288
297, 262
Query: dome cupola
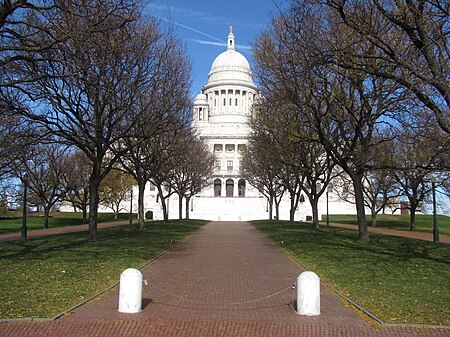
230, 67
230, 44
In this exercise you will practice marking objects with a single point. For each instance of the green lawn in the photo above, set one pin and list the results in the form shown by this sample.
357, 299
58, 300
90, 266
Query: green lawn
13, 222
424, 223
399, 280
42, 277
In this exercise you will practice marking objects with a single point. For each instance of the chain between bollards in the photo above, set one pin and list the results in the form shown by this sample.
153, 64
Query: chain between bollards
243, 302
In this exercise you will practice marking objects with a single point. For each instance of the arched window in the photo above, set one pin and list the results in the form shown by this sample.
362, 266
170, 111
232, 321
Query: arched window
217, 188
241, 187
229, 187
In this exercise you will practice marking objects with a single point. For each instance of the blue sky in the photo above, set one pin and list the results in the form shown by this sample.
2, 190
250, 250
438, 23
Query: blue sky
204, 27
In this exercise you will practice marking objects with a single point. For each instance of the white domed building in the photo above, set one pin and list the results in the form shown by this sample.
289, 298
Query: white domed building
221, 113
220, 118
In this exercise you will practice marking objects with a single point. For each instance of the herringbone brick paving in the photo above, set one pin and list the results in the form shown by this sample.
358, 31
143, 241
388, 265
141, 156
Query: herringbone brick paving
227, 279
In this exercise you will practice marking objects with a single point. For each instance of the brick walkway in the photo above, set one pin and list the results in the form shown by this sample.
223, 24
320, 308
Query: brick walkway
227, 279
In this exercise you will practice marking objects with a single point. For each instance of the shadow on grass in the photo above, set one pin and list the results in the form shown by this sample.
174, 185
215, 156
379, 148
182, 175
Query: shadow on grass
112, 242
341, 242
36, 221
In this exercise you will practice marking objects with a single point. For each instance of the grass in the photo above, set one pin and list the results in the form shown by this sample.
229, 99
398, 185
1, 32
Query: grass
42, 277
13, 221
399, 280
424, 223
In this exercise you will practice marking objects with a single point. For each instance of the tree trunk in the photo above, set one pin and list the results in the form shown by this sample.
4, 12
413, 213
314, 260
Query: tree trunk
166, 213
292, 209
277, 209
360, 212
412, 218
94, 183
180, 207
46, 216
85, 217
270, 201
315, 212
93, 215
162, 199
141, 215
188, 200
374, 217
84, 207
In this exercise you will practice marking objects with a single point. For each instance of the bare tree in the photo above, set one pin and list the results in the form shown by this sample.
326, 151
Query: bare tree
46, 167
167, 104
21, 22
301, 161
406, 42
416, 163
193, 167
16, 134
344, 108
77, 182
96, 109
261, 167
160, 152
379, 190
114, 190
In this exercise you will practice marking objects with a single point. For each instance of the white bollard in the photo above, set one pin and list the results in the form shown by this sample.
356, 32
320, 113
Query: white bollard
130, 291
308, 294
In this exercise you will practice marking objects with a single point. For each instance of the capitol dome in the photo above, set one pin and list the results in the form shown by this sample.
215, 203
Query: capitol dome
230, 67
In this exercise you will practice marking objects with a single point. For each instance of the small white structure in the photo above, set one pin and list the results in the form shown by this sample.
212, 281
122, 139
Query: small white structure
308, 294
130, 291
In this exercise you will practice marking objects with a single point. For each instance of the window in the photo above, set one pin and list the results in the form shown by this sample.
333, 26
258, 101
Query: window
236, 102
200, 114
217, 165
242, 148
217, 188
229, 188
241, 188
229, 165
230, 148
224, 101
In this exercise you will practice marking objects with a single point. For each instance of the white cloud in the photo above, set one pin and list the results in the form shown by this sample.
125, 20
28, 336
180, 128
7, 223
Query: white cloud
209, 43
190, 28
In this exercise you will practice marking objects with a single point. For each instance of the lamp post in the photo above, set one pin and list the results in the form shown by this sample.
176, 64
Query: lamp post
24, 218
329, 190
131, 205
435, 225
